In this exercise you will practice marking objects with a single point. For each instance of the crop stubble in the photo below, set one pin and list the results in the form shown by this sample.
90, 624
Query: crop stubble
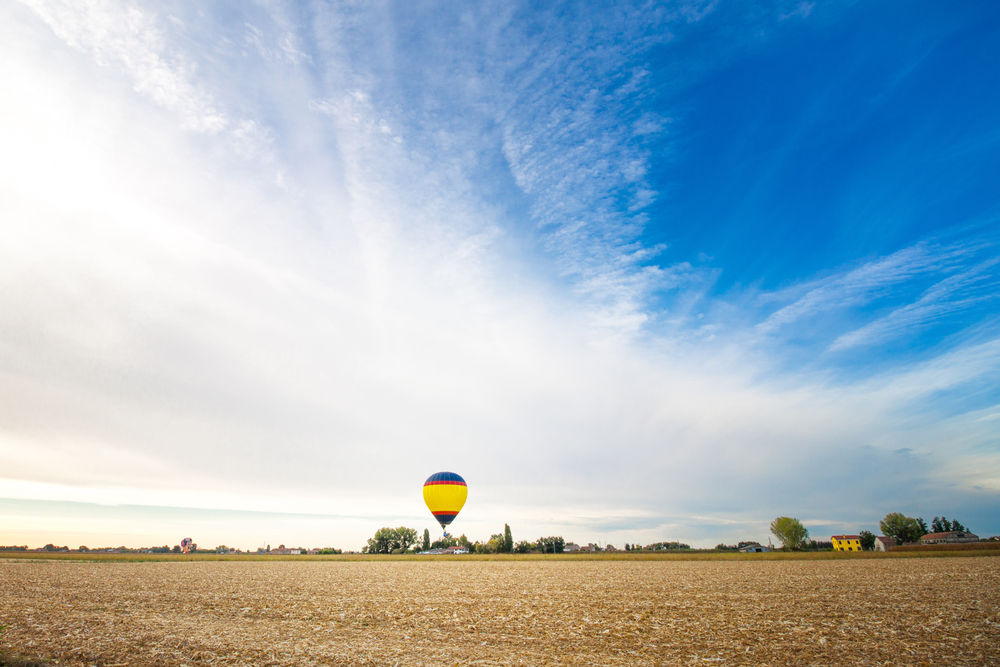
930, 611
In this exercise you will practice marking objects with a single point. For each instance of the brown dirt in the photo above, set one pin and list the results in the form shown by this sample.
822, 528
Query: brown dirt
829, 612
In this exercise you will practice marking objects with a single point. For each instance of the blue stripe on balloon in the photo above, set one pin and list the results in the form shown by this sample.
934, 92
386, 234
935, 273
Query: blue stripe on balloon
445, 477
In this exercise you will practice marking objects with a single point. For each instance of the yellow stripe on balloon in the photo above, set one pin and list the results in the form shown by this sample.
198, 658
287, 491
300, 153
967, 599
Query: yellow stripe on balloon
445, 497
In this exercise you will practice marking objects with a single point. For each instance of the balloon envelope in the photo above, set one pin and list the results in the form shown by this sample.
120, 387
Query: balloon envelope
445, 494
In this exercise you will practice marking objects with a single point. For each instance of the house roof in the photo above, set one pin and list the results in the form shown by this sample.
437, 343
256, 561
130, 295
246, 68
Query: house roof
938, 536
883, 538
845, 537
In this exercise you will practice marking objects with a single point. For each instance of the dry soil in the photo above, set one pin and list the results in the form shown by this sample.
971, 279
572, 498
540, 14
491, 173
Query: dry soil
855, 612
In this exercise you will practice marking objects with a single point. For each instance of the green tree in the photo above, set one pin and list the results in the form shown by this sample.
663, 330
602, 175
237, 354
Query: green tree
427, 539
508, 540
495, 544
790, 532
463, 541
387, 540
902, 528
551, 545
523, 547
867, 538
942, 525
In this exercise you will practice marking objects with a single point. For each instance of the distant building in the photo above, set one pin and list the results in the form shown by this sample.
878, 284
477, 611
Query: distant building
753, 548
610, 547
950, 537
456, 550
284, 551
571, 547
883, 543
846, 542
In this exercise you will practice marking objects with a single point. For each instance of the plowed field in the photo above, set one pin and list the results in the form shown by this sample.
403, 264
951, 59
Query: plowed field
841, 612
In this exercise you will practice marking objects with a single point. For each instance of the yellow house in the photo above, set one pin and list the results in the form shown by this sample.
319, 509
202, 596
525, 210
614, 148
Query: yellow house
846, 543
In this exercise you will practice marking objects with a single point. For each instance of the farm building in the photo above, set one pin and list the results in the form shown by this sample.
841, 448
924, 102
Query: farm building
883, 543
950, 537
753, 548
571, 547
846, 542
282, 550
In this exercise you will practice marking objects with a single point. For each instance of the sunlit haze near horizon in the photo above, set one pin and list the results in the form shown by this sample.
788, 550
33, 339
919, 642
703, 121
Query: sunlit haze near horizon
638, 272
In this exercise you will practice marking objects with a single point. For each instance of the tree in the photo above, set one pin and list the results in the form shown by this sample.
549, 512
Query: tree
790, 532
508, 540
463, 541
523, 547
551, 545
867, 540
427, 539
495, 544
387, 540
942, 525
176, 549
902, 528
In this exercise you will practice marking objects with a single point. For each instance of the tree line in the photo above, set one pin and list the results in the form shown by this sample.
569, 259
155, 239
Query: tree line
404, 540
788, 530
901, 528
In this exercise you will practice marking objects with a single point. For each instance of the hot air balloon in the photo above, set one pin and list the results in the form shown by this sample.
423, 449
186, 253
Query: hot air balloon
445, 494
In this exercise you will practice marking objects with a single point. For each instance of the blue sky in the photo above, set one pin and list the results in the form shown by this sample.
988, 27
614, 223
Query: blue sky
637, 271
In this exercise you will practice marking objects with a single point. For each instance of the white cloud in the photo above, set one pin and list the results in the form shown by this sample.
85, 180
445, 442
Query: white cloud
119, 34
803, 9
864, 284
952, 294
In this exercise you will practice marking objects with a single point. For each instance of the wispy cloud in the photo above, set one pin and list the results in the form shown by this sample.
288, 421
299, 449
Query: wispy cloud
122, 35
803, 9
871, 281
953, 294
576, 137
